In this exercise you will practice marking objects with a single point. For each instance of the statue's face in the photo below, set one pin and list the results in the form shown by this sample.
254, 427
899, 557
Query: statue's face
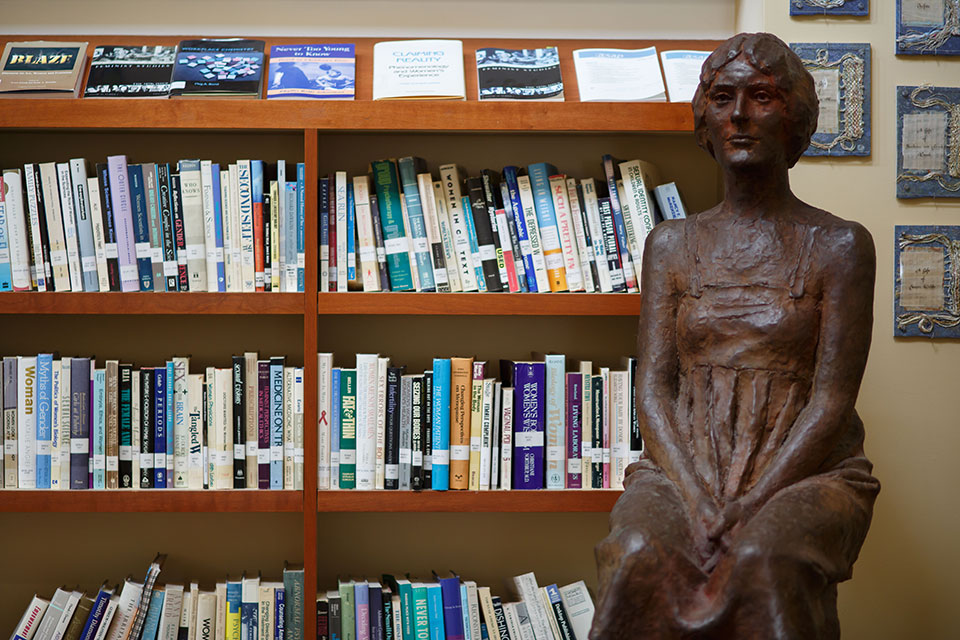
746, 117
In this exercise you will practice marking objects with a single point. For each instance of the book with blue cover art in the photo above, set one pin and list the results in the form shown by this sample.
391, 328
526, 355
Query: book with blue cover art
225, 68
529, 404
44, 418
312, 71
440, 425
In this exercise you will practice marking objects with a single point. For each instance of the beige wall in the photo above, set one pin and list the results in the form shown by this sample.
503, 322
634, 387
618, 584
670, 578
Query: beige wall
905, 583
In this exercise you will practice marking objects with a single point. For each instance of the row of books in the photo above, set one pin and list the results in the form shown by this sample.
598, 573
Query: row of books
457, 427
452, 609
532, 229
245, 609
68, 424
192, 226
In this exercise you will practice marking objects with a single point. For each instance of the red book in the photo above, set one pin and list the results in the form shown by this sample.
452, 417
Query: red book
258, 246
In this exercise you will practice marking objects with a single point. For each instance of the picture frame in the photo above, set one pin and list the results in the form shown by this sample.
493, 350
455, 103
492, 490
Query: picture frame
829, 7
842, 76
926, 281
928, 156
928, 27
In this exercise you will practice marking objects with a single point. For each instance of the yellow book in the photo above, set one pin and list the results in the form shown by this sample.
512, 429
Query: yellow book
461, 384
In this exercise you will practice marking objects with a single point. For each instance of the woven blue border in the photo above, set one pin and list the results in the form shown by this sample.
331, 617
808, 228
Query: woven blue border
913, 330
849, 8
861, 146
949, 48
930, 188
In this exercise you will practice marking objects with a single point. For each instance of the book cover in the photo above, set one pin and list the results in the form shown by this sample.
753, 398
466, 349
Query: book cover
49, 68
312, 71
348, 428
452, 607
418, 69
440, 425
417, 439
519, 74
579, 608
130, 71
529, 403
435, 612
31, 619
619, 75
461, 384
229, 67
361, 602
387, 184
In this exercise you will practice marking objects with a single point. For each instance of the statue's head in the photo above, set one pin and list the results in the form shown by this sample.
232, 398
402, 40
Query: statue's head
768, 58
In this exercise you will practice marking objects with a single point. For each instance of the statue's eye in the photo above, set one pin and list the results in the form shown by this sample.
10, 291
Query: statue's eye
762, 96
721, 97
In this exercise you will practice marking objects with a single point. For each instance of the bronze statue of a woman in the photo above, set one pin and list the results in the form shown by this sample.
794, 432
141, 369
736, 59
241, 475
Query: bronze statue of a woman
754, 496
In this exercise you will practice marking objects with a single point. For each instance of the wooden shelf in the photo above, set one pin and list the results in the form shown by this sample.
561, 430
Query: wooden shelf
151, 501
479, 304
467, 501
137, 303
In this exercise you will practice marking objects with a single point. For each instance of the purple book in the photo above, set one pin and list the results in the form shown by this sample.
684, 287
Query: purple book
529, 404
123, 222
263, 424
574, 430
79, 423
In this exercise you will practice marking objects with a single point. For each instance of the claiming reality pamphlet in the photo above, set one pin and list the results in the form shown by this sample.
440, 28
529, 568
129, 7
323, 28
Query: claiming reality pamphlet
619, 75
225, 68
418, 69
136, 72
682, 70
312, 71
519, 74
51, 69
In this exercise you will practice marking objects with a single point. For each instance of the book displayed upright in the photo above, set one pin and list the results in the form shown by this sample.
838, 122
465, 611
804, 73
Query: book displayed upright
312, 71
42, 69
418, 69
225, 68
615, 75
519, 74
130, 71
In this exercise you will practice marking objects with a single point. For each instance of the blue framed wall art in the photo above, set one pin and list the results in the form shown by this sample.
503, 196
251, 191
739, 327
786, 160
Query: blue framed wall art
926, 282
928, 27
829, 7
928, 142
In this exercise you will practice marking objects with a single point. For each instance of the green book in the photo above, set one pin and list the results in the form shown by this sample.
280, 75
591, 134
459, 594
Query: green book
348, 429
348, 625
421, 612
293, 607
395, 237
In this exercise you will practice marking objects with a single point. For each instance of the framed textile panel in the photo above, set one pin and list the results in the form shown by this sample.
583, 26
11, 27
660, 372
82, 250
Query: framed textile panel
842, 76
928, 142
829, 7
926, 282
928, 27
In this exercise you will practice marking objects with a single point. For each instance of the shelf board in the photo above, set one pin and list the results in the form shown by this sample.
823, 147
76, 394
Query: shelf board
144, 303
467, 501
151, 501
479, 304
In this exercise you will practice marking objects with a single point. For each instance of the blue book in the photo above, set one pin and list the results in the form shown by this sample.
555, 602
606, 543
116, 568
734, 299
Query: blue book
452, 607
276, 423
322, 71
6, 271
440, 426
523, 237
79, 422
529, 400
351, 234
361, 603
99, 428
170, 416
230, 67
218, 226
44, 418
249, 605
335, 428
464, 605
279, 616
435, 611
378, 623
141, 226
474, 244
152, 622
409, 167
96, 614
421, 612
559, 612
289, 229
159, 428
301, 221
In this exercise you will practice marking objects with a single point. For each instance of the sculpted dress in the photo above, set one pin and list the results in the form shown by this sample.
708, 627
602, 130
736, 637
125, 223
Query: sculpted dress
747, 354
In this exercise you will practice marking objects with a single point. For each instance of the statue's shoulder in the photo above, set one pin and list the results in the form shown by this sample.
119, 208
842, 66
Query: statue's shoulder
838, 237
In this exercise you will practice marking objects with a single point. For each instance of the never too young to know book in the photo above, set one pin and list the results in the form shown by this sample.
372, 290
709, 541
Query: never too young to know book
225, 68
312, 71
135, 71
48, 69
418, 69
519, 74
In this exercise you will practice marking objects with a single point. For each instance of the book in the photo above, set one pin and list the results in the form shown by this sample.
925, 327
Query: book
395, 236
619, 75
418, 69
519, 74
681, 68
30, 621
528, 434
312, 71
45, 68
130, 71
224, 68
669, 201
579, 608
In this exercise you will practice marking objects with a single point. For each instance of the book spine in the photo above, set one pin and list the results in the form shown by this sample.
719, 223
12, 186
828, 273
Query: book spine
154, 213
366, 420
160, 427
529, 215
474, 245
288, 446
608, 425
635, 443
125, 427
378, 243
348, 428
335, 428
529, 400
84, 223
179, 385
275, 255
370, 273
239, 397
330, 214
52, 229
586, 421
70, 227
446, 237
324, 383
293, 604
555, 430
141, 226
147, 439
209, 213
559, 612
637, 187
515, 209
476, 423
511, 230
6, 271
38, 272
394, 234
340, 203
17, 230
582, 235
228, 218
574, 423
260, 213
618, 281
406, 432
414, 271
461, 384
110, 224
55, 395
111, 426
668, 198
118, 183
245, 210
417, 438
539, 175
38, 397
565, 230
392, 430
99, 235
450, 178
408, 168
619, 427
480, 217
98, 428
10, 445
486, 433
440, 472
301, 225
491, 195
591, 210
323, 225
506, 442
298, 425
432, 227
179, 233
79, 422
168, 207
381, 423
276, 422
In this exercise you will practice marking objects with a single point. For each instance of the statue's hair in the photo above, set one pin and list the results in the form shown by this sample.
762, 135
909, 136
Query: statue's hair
768, 54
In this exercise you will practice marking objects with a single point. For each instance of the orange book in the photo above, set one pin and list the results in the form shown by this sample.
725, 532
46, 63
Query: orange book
461, 386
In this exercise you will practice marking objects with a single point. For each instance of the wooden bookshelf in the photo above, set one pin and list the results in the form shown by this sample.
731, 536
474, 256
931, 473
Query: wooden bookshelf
567, 501
150, 501
152, 303
479, 304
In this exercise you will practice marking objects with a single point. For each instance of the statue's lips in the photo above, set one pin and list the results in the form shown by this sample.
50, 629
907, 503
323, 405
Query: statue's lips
742, 140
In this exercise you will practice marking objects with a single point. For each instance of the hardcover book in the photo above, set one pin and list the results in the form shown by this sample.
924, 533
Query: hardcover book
519, 74
227, 68
305, 71
51, 69
136, 72
418, 69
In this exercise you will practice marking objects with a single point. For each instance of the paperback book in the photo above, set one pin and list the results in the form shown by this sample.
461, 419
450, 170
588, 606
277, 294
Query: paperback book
50, 69
227, 68
303, 71
519, 74
418, 69
136, 72
619, 75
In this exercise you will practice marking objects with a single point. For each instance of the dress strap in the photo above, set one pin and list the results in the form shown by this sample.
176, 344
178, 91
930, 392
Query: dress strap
803, 259
693, 260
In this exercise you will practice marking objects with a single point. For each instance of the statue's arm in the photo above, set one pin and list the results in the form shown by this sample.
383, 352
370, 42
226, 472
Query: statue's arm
848, 267
658, 367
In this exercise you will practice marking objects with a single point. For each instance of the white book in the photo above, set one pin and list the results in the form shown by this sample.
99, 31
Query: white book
506, 442
631, 268
108, 615
181, 423
579, 606
370, 270
63, 422
214, 440
226, 214
209, 224
639, 178
27, 421
324, 390
556, 432
223, 408
367, 366
463, 254
185, 610
298, 408
30, 621
266, 606
586, 438
289, 448
411, 244
529, 592
380, 474
52, 615
473, 608
619, 427
619, 75
206, 620
99, 235
340, 206
554, 625
59, 255
486, 430
568, 246
55, 408
192, 200
446, 237
280, 247
397, 616
195, 464
84, 223
191, 611
592, 209
276, 266
533, 233
585, 253
67, 614
40, 273
682, 71
250, 595
418, 69
496, 436
236, 253
431, 222
69, 218
17, 230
